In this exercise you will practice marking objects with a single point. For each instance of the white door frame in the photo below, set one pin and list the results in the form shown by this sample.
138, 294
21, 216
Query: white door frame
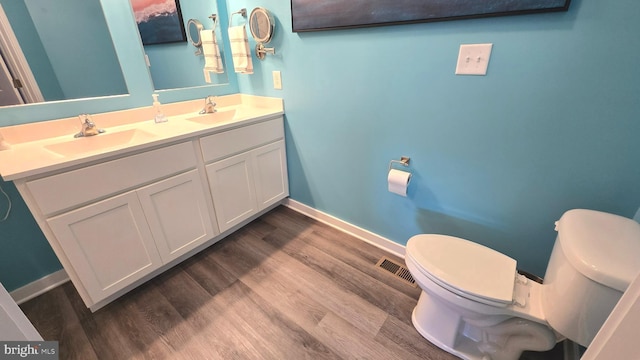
9, 95
617, 339
14, 325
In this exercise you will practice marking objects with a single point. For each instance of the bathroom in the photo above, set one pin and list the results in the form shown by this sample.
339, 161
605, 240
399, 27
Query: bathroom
496, 158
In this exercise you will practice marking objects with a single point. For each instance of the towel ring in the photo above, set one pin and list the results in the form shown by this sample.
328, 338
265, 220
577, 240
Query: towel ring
242, 12
214, 18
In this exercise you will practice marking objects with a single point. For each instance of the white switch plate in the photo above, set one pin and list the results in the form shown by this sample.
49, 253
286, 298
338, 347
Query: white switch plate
277, 80
473, 59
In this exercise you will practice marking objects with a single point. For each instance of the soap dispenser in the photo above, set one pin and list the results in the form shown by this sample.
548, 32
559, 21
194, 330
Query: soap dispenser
159, 116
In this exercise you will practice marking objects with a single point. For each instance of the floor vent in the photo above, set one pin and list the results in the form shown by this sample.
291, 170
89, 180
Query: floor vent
398, 270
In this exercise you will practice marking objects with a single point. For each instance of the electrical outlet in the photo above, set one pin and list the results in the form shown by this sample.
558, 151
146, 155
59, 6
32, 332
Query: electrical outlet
277, 80
473, 59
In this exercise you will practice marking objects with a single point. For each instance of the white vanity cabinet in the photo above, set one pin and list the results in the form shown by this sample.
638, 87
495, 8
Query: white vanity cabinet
113, 242
120, 208
270, 174
247, 170
109, 244
233, 191
116, 222
177, 212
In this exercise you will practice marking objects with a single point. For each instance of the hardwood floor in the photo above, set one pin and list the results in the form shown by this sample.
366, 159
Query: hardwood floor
283, 287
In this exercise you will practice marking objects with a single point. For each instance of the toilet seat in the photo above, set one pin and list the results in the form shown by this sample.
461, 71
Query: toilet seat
464, 268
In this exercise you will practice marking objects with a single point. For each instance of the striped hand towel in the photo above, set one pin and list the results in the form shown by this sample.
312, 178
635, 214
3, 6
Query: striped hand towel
240, 50
211, 51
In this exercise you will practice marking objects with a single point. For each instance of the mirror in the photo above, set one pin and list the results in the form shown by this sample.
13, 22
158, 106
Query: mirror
261, 25
175, 65
193, 32
67, 59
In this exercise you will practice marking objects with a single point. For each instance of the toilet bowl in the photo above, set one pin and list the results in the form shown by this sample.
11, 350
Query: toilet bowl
475, 305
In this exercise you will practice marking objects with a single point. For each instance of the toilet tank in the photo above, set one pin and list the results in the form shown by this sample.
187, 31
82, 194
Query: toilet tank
594, 259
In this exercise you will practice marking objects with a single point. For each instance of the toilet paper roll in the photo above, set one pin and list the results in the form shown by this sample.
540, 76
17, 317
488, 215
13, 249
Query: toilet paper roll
399, 181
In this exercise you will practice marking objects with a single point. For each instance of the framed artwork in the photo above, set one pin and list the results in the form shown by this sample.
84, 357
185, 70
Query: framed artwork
313, 15
159, 21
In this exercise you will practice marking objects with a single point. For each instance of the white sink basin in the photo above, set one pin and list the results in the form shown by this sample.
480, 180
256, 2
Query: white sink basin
216, 117
98, 143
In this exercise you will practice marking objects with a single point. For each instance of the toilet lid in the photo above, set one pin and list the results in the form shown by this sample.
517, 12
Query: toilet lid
464, 267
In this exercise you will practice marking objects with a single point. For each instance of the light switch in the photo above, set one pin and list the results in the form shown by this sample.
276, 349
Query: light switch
473, 59
277, 80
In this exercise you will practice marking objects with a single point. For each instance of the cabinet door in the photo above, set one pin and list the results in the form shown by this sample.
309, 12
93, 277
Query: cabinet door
108, 243
177, 214
234, 196
270, 169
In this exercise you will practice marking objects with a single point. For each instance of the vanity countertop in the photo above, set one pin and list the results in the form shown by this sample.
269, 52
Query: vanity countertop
43, 147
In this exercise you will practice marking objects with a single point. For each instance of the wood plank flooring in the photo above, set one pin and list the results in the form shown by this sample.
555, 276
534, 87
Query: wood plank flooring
283, 287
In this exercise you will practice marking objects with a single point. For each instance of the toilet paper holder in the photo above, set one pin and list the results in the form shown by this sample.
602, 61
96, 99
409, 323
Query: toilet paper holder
404, 161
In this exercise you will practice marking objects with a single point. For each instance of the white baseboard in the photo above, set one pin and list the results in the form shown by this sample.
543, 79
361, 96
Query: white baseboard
39, 286
353, 230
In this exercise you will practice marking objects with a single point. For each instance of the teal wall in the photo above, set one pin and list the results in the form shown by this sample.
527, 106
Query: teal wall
55, 60
25, 255
27, 35
496, 159
91, 52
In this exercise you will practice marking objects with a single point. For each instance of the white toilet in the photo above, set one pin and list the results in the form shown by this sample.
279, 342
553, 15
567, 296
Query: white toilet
475, 305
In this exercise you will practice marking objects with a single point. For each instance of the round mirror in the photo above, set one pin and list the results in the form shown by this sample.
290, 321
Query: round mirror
261, 25
193, 31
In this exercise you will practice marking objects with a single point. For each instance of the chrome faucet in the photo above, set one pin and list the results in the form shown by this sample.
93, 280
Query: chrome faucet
209, 105
89, 128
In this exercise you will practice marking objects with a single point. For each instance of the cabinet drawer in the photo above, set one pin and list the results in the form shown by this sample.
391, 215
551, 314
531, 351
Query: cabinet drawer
64, 191
234, 141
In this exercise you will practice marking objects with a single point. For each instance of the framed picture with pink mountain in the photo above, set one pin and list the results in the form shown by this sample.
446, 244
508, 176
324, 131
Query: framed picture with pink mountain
159, 21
